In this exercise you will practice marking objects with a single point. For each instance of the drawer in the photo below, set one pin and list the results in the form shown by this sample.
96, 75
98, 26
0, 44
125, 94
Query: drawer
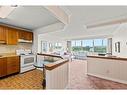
12, 65
13, 60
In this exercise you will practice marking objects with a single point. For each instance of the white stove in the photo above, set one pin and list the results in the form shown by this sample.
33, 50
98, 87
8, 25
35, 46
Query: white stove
27, 60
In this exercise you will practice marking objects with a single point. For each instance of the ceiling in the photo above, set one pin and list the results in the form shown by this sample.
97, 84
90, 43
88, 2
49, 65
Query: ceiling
95, 14
34, 17
82, 16
30, 17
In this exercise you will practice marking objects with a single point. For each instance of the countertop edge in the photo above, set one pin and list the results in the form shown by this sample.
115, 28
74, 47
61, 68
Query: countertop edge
52, 55
4, 55
108, 57
56, 64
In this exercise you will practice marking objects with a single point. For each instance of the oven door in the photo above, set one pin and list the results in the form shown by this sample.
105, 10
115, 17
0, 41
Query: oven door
28, 60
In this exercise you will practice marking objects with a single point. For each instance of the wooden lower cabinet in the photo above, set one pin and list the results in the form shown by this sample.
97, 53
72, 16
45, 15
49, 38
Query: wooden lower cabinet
3, 67
13, 65
9, 65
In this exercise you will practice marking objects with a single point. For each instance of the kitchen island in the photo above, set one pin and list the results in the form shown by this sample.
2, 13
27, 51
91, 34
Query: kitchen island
55, 72
108, 67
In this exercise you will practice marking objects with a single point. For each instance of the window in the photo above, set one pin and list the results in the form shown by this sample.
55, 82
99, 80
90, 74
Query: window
92, 45
87, 45
76, 45
98, 42
57, 45
72, 43
44, 46
105, 42
100, 45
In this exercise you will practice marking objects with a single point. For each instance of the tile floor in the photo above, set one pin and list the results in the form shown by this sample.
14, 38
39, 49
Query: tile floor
77, 79
28, 80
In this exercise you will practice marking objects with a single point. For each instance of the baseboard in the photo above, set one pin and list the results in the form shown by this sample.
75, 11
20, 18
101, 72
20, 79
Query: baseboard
107, 78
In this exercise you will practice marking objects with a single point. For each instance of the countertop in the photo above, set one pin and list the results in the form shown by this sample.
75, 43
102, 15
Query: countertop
107, 57
56, 64
52, 55
2, 55
53, 65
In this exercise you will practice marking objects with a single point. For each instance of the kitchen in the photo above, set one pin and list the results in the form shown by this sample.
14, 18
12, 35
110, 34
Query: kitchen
17, 54
41, 45
11, 36
63, 47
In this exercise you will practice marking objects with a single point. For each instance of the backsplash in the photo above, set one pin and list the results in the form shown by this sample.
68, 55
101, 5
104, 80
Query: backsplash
13, 48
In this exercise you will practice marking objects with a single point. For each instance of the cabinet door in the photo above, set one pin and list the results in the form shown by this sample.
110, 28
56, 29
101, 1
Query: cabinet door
25, 35
21, 34
13, 65
3, 65
12, 36
2, 34
29, 36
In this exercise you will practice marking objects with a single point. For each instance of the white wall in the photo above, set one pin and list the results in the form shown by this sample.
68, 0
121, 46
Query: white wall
109, 69
45, 30
55, 33
50, 39
120, 36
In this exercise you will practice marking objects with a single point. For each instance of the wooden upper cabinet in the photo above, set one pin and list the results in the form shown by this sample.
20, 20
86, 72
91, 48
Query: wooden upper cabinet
11, 36
29, 36
25, 35
2, 34
21, 34
3, 67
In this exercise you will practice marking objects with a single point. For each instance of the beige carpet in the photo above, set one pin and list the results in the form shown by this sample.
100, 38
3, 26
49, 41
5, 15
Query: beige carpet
79, 80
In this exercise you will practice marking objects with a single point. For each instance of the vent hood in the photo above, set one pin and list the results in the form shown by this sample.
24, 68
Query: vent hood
24, 41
